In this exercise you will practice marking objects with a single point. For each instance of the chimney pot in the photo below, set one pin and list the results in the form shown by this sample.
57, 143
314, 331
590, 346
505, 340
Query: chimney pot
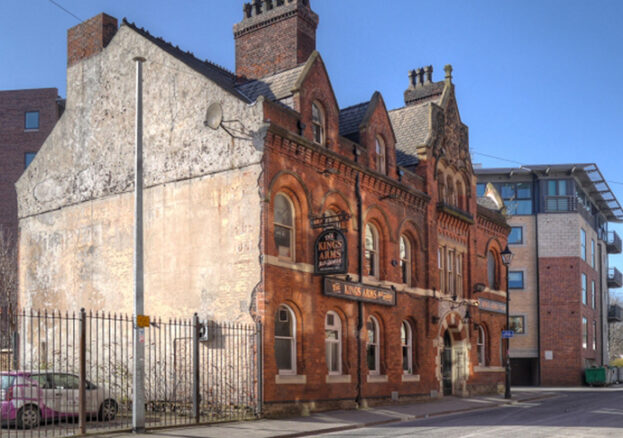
448, 70
412, 79
418, 77
429, 74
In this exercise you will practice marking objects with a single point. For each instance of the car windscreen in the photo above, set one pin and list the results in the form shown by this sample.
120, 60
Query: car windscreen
6, 381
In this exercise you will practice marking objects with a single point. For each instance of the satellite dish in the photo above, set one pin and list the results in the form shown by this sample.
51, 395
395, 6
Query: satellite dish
214, 116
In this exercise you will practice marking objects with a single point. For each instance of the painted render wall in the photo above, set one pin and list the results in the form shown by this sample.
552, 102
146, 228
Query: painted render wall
202, 204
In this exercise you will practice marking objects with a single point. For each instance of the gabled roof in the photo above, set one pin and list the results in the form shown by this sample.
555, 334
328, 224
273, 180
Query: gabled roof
217, 74
276, 87
412, 128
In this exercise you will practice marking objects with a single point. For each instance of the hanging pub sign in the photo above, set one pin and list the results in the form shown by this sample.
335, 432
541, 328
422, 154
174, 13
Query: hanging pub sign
359, 292
330, 253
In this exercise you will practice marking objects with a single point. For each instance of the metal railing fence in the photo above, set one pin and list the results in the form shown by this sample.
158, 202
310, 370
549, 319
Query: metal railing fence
71, 373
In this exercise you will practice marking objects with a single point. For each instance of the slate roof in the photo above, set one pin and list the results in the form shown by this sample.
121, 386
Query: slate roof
224, 78
351, 118
424, 93
276, 87
412, 128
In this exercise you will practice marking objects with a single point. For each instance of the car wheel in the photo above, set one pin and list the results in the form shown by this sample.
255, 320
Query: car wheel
28, 417
108, 410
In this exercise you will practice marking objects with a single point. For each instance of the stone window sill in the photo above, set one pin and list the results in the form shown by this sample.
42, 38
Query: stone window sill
481, 369
290, 379
377, 378
410, 377
338, 378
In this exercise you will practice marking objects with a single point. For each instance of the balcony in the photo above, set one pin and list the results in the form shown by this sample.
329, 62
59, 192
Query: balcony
615, 278
614, 243
615, 313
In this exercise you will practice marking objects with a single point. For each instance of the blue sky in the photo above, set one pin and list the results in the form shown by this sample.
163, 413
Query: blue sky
538, 81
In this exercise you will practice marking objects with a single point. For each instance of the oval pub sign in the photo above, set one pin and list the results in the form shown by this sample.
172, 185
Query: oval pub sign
330, 253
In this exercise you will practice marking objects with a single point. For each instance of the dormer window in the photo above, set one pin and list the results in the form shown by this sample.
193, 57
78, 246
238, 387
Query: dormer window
381, 156
318, 124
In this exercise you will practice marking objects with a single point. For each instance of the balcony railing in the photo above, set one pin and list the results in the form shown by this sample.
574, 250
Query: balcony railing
615, 313
614, 243
615, 278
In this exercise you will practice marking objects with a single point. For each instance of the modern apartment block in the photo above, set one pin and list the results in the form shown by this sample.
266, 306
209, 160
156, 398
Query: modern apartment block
26, 119
559, 277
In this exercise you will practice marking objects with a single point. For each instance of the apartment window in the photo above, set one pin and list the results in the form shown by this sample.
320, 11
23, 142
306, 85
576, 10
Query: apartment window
284, 227
480, 189
31, 120
381, 156
594, 335
515, 279
481, 344
372, 347
517, 324
557, 195
517, 197
318, 124
583, 244
584, 288
372, 251
333, 342
28, 157
516, 236
584, 333
285, 340
405, 260
491, 268
406, 341
593, 294
593, 253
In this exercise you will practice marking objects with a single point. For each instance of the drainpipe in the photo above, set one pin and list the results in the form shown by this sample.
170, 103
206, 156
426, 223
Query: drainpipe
535, 206
359, 277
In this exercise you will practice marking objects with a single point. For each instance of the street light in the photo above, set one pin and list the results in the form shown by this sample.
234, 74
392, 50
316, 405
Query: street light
507, 256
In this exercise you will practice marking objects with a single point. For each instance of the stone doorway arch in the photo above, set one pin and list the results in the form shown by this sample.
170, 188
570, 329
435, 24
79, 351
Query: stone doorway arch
453, 355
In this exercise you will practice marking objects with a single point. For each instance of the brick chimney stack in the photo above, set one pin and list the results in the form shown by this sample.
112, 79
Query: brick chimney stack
90, 37
273, 36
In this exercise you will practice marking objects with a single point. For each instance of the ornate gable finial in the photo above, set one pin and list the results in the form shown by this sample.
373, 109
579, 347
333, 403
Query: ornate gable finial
448, 70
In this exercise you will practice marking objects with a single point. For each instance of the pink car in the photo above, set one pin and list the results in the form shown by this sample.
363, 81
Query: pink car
28, 397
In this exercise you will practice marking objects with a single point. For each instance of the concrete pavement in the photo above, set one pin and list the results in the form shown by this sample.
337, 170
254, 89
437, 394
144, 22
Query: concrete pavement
334, 421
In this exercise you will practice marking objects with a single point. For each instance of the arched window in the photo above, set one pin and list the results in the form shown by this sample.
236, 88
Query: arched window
406, 341
481, 345
372, 251
373, 346
284, 227
333, 342
491, 270
405, 259
381, 156
285, 340
460, 196
450, 193
318, 123
441, 189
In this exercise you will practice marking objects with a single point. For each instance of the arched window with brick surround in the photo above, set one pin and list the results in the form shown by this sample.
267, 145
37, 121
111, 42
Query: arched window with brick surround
284, 227
372, 251
373, 353
318, 123
285, 340
406, 259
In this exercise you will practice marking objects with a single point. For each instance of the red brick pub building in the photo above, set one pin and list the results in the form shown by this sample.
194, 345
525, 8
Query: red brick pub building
403, 319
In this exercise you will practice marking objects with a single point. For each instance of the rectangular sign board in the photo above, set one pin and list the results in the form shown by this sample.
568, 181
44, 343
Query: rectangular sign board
491, 306
359, 292
507, 334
